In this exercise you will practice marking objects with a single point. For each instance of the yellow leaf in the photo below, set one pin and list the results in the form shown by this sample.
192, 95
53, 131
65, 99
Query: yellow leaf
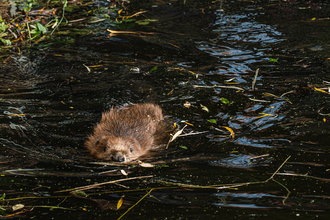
187, 104
120, 203
120, 11
324, 120
16, 115
264, 115
189, 124
204, 108
320, 90
232, 133
170, 92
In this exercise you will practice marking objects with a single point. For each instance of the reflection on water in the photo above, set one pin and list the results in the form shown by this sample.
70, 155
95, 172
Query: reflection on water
237, 161
51, 103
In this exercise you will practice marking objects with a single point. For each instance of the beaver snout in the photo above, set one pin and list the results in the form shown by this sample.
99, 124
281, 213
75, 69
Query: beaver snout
119, 157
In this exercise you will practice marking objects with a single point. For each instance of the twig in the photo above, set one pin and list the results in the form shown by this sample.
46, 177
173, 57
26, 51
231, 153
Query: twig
255, 79
104, 183
256, 157
63, 12
279, 168
287, 195
193, 133
216, 86
224, 186
286, 93
135, 204
258, 100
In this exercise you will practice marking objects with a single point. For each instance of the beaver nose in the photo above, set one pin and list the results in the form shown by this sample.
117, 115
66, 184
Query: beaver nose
118, 157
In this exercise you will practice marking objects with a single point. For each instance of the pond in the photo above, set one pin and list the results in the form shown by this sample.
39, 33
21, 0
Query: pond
250, 81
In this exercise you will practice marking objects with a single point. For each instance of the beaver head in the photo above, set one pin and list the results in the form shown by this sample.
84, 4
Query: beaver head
121, 149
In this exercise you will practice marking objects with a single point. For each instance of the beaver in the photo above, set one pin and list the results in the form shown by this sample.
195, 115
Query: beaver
126, 133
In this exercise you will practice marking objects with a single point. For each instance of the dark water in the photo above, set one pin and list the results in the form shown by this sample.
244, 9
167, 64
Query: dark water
50, 103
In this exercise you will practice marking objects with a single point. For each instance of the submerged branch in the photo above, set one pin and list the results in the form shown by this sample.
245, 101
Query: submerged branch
104, 183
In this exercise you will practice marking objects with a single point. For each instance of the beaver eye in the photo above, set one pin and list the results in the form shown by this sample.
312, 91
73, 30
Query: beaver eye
105, 149
131, 149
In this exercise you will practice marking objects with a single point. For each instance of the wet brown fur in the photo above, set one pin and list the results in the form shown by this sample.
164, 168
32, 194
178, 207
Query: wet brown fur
125, 133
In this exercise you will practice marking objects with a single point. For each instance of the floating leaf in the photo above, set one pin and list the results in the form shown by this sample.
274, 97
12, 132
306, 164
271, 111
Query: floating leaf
142, 22
204, 108
212, 121
153, 69
272, 60
188, 123
79, 193
187, 104
123, 172
320, 90
163, 165
232, 133
146, 165
175, 136
170, 92
183, 147
17, 207
120, 203
224, 100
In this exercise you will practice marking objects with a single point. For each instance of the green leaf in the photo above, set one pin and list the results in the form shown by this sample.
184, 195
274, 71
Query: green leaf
212, 121
160, 166
79, 193
3, 27
42, 28
3, 196
183, 147
272, 60
153, 69
5, 42
142, 22
224, 100
129, 20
